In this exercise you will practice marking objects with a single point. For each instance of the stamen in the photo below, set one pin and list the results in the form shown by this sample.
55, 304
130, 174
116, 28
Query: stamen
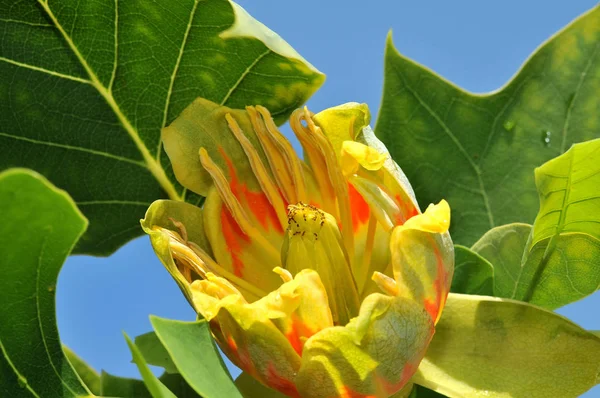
280, 166
340, 186
293, 161
285, 275
267, 185
181, 227
317, 162
385, 283
233, 205
197, 260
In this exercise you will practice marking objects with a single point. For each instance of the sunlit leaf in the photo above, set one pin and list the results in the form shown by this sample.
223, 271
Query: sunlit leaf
479, 151
195, 355
504, 247
87, 87
40, 225
563, 259
485, 346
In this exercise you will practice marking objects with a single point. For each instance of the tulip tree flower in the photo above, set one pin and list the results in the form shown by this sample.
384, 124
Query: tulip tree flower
319, 277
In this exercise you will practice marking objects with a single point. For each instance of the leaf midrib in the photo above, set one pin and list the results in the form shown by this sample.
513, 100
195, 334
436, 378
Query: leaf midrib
151, 164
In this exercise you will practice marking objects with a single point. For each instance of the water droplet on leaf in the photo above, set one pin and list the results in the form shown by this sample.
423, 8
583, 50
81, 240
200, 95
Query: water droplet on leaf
546, 137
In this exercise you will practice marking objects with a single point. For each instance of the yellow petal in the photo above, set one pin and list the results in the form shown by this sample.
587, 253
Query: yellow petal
374, 355
355, 154
423, 258
247, 336
435, 219
299, 308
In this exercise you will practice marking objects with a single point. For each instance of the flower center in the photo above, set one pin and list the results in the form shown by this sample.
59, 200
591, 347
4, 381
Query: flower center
305, 220
313, 241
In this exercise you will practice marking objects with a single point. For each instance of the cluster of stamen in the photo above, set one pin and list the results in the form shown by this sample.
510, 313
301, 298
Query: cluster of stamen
304, 218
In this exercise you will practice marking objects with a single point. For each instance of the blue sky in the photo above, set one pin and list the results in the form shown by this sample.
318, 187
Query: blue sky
475, 44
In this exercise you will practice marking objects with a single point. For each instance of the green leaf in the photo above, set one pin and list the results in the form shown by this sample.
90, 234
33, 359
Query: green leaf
562, 263
115, 386
88, 86
40, 225
156, 388
473, 274
479, 151
154, 352
249, 387
485, 346
88, 375
504, 247
193, 351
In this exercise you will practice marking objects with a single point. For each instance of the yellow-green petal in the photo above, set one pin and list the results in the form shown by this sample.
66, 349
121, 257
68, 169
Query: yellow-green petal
374, 355
423, 258
248, 337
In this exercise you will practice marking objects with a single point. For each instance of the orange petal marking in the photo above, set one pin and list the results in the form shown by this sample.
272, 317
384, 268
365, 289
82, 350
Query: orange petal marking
279, 383
256, 202
439, 286
298, 333
359, 208
407, 210
234, 237
346, 392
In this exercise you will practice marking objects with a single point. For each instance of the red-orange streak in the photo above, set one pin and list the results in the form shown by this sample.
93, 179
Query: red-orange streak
243, 359
359, 207
234, 237
439, 285
407, 210
346, 392
256, 202
279, 383
298, 331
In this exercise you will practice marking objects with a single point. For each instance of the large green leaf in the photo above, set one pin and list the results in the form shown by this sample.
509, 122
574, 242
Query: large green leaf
86, 87
491, 347
479, 151
473, 274
194, 353
40, 225
563, 259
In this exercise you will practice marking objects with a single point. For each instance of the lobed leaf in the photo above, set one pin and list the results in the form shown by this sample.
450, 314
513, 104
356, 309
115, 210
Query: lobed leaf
40, 225
478, 151
492, 347
87, 87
